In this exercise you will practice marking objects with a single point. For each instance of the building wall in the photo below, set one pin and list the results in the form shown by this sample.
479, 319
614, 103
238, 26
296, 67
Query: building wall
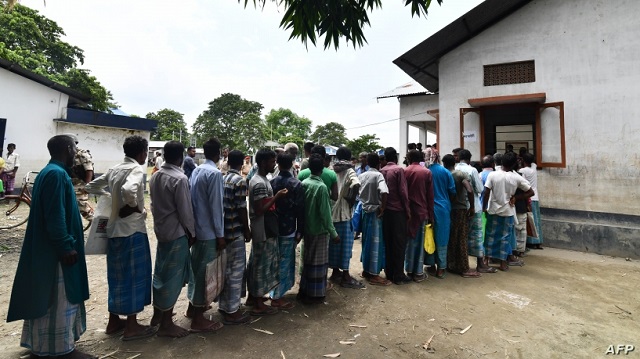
414, 109
29, 108
586, 54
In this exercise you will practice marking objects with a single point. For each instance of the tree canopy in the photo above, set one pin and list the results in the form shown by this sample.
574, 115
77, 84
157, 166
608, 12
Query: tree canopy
286, 126
332, 134
34, 42
171, 126
333, 19
365, 143
235, 121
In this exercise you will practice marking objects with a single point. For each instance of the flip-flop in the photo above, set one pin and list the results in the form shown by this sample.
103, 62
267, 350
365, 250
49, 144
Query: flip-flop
487, 270
471, 275
267, 311
517, 263
420, 277
383, 282
244, 319
352, 284
213, 327
285, 305
148, 332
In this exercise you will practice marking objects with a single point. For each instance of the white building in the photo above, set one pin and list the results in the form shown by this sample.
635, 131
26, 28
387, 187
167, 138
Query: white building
34, 108
557, 77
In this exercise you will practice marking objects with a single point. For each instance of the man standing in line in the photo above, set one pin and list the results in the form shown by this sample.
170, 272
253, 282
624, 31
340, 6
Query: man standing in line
318, 231
357, 211
307, 153
207, 191
396, 216
499, 198
530, 173
157, 162
329, 177
373, 195
475, 228
51, 282
128, 253
420, 183
443, 189
81, 174
292, 149
290, 211
236, 233
263, 268
189, 164
175, 230
11, 164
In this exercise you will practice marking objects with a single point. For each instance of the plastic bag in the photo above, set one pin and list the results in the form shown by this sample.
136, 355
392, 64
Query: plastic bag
97, 240
215, 276
429, 241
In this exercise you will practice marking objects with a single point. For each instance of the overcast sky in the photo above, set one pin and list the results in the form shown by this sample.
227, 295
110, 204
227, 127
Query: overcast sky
183, 54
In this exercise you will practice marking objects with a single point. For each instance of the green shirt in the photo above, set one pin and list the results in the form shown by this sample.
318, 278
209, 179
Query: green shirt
317, 208
329, 178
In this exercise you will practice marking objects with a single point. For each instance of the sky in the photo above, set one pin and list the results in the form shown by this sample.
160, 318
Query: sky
182, 55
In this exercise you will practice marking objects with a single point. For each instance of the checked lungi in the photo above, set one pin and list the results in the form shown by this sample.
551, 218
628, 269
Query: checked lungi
203, 252
535, 208
172, 271
414, 258
287, 268
497, 236
340, 253
373, 254
521, 232
129, 274
263, 269
457, 254
313, 283
56, 332
9, 182
475, 241
234, 284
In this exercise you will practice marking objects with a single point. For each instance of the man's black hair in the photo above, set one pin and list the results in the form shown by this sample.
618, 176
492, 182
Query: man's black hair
487, 161
522, 151
343, 153
464, 155
318, 149
190, 148
528, 158
264, 154
235, 158
448, 161
173, 150
373, 160
316, 163
212, 148
135, 145
414, 156
411, 146
391, 155
456, 150
58, 145
509, 160
308, 146
285, 161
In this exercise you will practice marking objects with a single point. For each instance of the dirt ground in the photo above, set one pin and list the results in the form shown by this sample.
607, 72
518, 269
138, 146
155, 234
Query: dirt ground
561, 304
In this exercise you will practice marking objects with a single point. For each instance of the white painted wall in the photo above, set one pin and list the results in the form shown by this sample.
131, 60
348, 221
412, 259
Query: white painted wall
586, 54
414, 109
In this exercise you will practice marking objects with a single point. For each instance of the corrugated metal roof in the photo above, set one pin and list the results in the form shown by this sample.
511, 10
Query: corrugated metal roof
410, 88
421, 62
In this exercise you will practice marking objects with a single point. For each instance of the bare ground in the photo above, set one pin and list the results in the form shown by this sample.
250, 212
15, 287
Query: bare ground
561, 304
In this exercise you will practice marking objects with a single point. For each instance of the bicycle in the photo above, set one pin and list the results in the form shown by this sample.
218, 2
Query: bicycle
16, 207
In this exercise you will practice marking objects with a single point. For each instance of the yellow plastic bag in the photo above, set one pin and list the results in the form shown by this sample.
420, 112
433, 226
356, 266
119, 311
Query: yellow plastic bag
429, 242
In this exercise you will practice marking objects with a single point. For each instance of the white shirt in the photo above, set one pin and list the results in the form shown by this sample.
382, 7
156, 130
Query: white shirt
503, 185
476, 183
159, 161
12, 161
125, 182
531, 174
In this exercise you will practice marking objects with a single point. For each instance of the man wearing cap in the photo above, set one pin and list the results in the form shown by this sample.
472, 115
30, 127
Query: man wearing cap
81, 174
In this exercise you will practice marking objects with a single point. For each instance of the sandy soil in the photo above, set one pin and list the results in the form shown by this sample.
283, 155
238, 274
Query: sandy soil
561, 304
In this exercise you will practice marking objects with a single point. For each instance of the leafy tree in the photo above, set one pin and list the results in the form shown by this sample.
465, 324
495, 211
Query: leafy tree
365, 143
333, 19
34, 42
330, 134
235, 121
286, 126
171, 125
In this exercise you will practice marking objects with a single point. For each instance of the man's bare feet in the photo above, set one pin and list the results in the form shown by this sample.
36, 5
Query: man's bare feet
115, 325
172, 331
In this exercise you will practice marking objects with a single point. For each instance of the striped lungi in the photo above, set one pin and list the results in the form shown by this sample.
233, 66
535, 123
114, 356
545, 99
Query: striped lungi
172, 272
263, 269
287, 268
497, 238
457, 254
9, 182
521, 232
234, 285
475, 243
535, 208
313, 283
56, 332
129, 274
202, 253
340, 253
414, 256
373, 255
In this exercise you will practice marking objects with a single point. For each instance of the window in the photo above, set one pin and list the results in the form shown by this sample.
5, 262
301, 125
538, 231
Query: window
510, 73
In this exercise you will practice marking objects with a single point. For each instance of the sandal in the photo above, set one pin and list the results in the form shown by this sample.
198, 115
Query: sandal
441, 275
379, 281
146, 333
419, 277
284, 304
471, 275
517, 263
268, 310
487, 270
352, 283
244, 319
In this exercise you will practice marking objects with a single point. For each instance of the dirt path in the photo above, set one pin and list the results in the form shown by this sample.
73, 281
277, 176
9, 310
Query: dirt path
561, 304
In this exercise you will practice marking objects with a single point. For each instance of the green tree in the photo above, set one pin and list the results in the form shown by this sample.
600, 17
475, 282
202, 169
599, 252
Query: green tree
235, 121
332, 134
333, 19
285, 126
365, 143
34, 42
171, 126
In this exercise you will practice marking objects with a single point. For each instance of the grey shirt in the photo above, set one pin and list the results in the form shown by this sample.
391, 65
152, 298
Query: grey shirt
372, 186
171, 203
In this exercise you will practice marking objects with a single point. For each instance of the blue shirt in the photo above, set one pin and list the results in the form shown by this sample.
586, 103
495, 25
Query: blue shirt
189, 165
443, 186
207, 192
290, 208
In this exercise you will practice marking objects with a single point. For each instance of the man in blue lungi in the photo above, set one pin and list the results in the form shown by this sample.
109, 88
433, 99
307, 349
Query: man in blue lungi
128, 253
175, 230
51, 283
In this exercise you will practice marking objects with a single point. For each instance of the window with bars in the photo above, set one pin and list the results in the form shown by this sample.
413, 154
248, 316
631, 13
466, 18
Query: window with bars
510, 73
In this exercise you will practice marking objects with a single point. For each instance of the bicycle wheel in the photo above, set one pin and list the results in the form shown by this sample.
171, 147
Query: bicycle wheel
14, 212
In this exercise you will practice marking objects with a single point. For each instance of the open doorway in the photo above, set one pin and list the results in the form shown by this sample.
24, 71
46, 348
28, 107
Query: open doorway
509, 125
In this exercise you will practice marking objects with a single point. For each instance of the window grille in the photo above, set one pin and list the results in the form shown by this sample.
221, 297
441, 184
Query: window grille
510, 73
